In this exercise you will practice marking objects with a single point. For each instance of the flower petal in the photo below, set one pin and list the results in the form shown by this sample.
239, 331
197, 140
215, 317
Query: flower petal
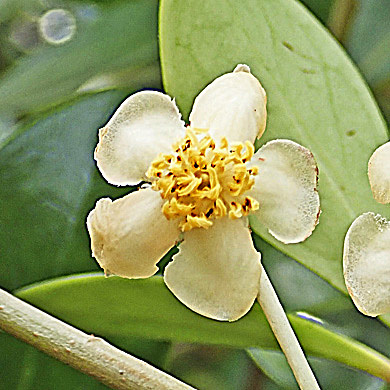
285, 188
130, 235
232, 106
379, 173
367, 264
217, 271
146, 124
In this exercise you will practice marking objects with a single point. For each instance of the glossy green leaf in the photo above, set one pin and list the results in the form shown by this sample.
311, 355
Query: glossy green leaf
320, 8
49, 182
116, 307
25, 368
315, 97
29, 369
114, 44
204, 367
212, 368
331, 375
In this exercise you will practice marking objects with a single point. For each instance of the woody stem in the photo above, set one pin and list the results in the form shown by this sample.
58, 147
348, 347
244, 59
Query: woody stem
285, 335
86, 353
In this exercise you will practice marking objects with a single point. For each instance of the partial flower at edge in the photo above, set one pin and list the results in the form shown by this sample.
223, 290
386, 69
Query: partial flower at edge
379, 173
367, 264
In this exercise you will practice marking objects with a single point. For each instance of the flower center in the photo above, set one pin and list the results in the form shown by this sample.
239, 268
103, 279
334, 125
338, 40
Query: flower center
201, 182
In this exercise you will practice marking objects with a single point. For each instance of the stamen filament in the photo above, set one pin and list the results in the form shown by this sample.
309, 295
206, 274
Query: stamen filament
201, 182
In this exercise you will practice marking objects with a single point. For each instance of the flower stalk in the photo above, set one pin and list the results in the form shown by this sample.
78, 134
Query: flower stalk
89, 354
285, 335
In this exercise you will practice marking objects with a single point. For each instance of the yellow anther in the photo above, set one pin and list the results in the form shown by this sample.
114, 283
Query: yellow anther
224, 143
220, 208
189, 188
172, 208
235, 210
201, 182
192, 222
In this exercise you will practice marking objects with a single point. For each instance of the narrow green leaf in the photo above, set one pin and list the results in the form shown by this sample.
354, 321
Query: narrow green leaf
301, 290
116, 307
331, 375
316, 339
140, 308
315, 97
208, 367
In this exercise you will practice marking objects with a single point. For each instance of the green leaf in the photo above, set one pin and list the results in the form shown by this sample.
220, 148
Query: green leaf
49, 182
368, 44
320, 8
116, 307
114, 44
331, 375
301, 290
315, 97
210, 367
29, 369
25, 368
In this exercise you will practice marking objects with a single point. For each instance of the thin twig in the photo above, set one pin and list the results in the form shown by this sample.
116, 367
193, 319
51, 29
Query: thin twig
86, 353
285, 335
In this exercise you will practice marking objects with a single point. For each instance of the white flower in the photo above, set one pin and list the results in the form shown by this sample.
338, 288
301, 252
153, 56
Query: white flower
379, 173
367, 245
205, 179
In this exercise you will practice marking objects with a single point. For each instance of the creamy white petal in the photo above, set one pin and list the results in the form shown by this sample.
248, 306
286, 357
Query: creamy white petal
232, 106
367, 264
130, 235
379, 173
285, 188
217, 270
146, 124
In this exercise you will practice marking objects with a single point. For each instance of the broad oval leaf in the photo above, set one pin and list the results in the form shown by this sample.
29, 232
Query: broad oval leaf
116, 307
49, 182
316, 97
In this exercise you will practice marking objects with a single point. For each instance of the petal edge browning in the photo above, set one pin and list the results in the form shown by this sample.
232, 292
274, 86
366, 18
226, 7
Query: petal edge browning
286, 189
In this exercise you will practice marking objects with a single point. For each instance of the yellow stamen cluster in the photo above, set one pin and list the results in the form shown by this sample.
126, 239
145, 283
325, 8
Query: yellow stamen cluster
201, 182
